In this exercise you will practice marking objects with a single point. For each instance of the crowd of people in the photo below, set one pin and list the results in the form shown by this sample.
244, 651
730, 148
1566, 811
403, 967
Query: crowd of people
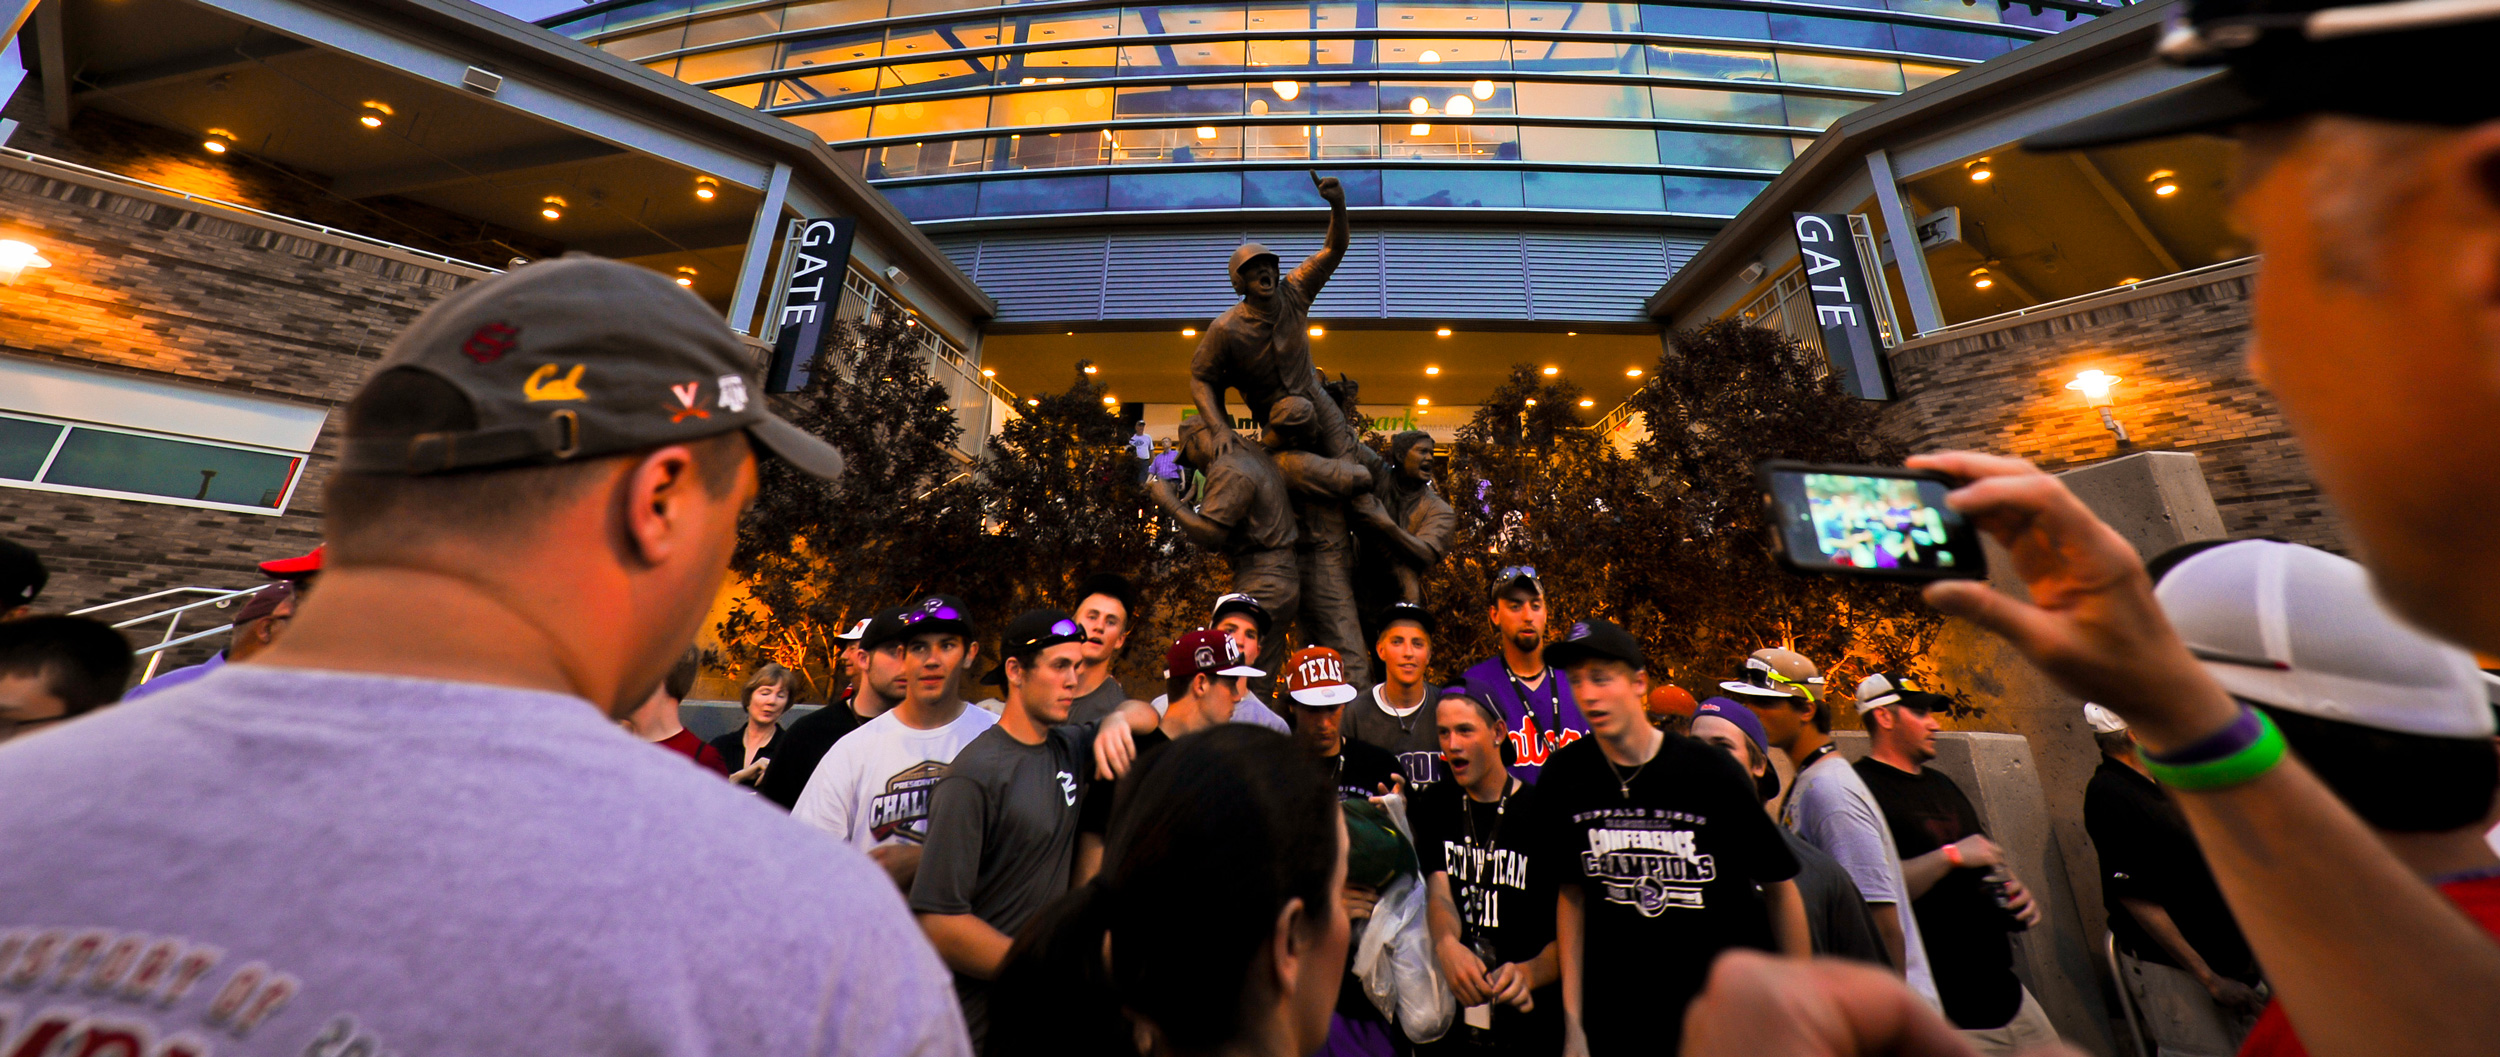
416, 805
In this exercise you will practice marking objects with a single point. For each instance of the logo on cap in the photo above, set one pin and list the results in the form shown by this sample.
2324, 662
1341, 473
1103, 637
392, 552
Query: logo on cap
733, 394
490, 342
1578, 632
1204, 658
685, 399
544, 385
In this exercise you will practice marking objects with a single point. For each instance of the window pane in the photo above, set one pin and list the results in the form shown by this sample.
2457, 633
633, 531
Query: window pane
1278, 17
1056, 27
1840, 71
726, 28
1408, 55
934, 201
922, 117
1709, 196
1277, 142
832, 13
1841, 32
1726, 152
1614, 192
122, 462
1577, 56
928, 159
1160, 19
905, 8
1427, 187
839, 48
1973, 46
1704, 22
1349, 141
1441, 100
1057, 194
1220, 100
1818, 112
938, 76
1175, 146
1718, 64
743, 94
1703, 104
825, 87
1914, 74
1343, 97
834, 126
1206, 56
1444, 14
1270, 188
1058, 150
1948, 9
1565, 16
1450, 142
639, 45
939, 40
1181, 190
1068, 105
1619, 146
1548, 99
714, 65
1279, 97
1066, 64
1287, 55
23, 445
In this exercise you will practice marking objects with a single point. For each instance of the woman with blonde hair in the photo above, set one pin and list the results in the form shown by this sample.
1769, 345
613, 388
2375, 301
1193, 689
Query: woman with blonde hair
749, 749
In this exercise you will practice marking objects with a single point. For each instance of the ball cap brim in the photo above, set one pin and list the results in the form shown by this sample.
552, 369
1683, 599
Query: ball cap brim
1324, 696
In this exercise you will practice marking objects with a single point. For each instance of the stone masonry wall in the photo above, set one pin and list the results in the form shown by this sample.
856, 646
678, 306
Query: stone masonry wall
188, 295
2180, 354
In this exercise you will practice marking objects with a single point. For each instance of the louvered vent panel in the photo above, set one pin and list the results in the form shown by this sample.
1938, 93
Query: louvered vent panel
1455, 276
1592, 275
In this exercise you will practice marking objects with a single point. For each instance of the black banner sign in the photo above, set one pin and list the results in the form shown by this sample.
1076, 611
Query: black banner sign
1843, 303
820, 259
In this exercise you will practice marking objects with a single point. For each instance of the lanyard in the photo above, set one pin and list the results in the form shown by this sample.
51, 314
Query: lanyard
1527, 703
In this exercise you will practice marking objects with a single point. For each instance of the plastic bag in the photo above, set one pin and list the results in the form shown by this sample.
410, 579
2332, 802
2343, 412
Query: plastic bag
1393, 958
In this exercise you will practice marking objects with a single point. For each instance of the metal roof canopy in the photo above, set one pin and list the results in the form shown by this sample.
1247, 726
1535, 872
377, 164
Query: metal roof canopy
620, 144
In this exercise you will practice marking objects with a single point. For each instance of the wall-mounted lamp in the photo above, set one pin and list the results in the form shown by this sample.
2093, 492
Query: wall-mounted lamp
706, 188
1980, 171
2164, 182
685, 275
2095, 388
552, 207
15, 258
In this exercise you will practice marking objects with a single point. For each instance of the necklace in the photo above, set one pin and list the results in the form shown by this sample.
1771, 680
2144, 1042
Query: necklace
1624, 781
1468, 815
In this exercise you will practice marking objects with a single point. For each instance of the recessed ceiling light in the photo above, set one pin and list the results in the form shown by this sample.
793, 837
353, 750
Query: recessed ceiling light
685, 275
218, 141
1442, 333
1553, 370
1432, 370
987, 372
373, 114
1111, 400
706, 188
1633, 373
1189, 332
1584, 402
1423, 401
552, 207
1317, 331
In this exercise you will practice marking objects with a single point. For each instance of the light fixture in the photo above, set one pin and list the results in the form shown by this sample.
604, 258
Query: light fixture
1206, 132
218, 142
1585, 402
1112, 400
1552, 371
1632, 373
1432, 371
987, 372
2165, 183
1980, 278
1460, 106
1532, 401
552, 207
2129, 281
685, 275
1090, 368
1571, 333
1429, 56
706, 188
1418, 107
1482, 90
1287, 90
16, 257
2095, 387
1980, 171
1032, 403
1419, 130
1441, 333
373, 114
1423, 401
1317, 331
1189, 332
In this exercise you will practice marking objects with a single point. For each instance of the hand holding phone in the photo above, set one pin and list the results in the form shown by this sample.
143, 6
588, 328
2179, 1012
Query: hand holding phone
1875, 521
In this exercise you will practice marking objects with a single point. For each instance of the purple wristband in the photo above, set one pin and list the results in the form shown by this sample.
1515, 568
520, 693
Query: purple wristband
2242, 733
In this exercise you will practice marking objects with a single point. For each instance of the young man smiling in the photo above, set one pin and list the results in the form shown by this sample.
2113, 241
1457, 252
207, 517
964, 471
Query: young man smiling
1536, 703
1396, 716
1003, 822
1657, 846
872, 789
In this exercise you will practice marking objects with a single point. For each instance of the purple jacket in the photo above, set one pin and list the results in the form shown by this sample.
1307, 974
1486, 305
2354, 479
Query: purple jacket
1544, 721
177, 677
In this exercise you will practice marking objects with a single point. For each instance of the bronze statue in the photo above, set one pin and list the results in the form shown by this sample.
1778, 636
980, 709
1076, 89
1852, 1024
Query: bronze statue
1412, 524
1243, 515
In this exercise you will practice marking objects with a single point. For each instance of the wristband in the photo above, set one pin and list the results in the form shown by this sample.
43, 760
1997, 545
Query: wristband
2257, 751
1953, 854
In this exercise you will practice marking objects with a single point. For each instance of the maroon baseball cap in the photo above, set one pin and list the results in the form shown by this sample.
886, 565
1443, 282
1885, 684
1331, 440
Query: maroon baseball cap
1204, 651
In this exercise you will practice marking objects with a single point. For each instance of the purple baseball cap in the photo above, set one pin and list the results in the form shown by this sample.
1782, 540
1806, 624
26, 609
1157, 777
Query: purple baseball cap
1738, 714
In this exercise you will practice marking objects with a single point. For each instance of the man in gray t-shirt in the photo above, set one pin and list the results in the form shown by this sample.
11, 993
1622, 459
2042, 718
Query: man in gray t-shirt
1003, 822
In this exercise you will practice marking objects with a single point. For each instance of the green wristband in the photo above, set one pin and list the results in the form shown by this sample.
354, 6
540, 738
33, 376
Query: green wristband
2236, 769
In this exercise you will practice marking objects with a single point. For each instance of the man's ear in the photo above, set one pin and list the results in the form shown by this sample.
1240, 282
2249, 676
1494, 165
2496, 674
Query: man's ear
1289, 946
658, 502
972, 652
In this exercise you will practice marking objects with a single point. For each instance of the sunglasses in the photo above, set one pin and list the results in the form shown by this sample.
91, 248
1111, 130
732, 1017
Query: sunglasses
1768, 679
933, 609
1513, 572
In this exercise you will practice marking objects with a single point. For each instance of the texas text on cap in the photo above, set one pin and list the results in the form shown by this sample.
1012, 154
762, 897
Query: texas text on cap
1028, 635
1595, 639
572, 358
937, 615
1237, 602
1205, 652
2299, 629
2285, 58
301, 565
1315, 678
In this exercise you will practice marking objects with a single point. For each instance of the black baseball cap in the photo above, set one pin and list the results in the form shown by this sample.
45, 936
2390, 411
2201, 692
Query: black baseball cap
2284, 58
1595, 639
1028, 635
1238, 602
572, 358
885, 627
22, 574
937, 615
1398, 611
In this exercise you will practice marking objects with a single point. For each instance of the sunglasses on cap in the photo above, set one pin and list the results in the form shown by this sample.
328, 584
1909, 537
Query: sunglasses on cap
1067, 627
1513, 572
933, 609
1760, 674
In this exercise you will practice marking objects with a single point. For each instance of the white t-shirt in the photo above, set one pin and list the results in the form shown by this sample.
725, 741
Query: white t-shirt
1832, 809
1248, 710
873, 786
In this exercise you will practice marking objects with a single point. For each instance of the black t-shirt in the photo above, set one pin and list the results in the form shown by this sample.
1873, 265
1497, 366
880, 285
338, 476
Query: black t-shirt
1964, 929
1361, 769
1836, 914
1670, 874
1094, 816
2148, 853
1486, 852
802, 746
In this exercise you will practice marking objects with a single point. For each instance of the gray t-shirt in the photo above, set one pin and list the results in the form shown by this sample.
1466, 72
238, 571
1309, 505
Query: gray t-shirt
1002, 836
1248, 710
1105, 700
1414, 738
1831, 808
287, 862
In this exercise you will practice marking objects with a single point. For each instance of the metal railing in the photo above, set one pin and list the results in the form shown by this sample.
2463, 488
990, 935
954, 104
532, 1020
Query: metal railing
127, 181
2064, 302
172, 617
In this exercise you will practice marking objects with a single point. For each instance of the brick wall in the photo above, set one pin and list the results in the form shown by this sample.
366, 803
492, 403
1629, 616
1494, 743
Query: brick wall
2179, 349
193, 295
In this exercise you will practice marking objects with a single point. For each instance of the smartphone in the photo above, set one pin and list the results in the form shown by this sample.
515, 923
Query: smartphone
1877, 521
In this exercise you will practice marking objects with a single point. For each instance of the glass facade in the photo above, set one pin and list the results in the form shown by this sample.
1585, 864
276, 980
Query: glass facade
965, 108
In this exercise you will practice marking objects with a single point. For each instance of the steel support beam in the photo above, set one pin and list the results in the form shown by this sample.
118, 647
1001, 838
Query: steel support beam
195, 67
1901, 229
751, 269
52, 48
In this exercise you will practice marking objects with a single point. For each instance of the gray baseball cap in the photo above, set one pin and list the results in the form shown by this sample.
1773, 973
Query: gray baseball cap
573, 358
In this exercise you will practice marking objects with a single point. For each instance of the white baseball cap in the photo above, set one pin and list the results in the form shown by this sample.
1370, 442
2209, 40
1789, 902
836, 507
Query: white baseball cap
2300, 629
857, 632
2102, 720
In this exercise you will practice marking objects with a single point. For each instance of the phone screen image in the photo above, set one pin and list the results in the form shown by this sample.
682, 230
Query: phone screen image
1870, 524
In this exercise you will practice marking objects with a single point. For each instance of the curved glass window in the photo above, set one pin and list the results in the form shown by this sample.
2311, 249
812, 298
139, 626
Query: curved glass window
964, 108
